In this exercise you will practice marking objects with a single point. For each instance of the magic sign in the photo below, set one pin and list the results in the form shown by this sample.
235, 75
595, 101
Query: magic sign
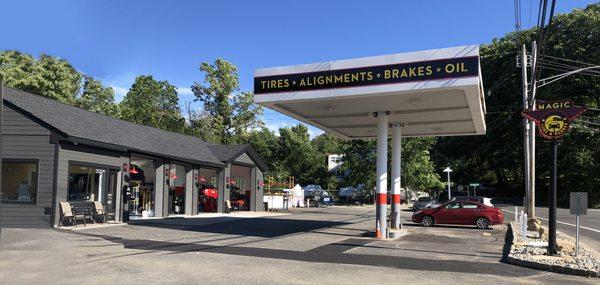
369, 75
553, 117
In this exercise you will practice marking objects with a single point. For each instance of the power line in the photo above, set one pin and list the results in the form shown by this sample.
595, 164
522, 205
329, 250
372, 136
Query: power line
569, 70
569, 67
566, 59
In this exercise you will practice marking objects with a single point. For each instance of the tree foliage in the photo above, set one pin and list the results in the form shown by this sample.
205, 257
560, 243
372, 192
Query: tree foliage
153, 103
97, 98
227, 114
47, 76
497, 158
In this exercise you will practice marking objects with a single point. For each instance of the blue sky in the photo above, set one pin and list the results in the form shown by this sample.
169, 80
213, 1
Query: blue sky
115, 41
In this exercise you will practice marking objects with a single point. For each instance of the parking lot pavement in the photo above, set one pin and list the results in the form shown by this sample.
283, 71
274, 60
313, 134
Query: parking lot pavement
317, 245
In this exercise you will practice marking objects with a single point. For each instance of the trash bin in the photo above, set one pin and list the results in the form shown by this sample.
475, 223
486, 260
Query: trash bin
266, 206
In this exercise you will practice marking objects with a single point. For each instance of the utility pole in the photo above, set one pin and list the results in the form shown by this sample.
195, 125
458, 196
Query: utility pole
552, 202
526, 126
1, 124
531, 187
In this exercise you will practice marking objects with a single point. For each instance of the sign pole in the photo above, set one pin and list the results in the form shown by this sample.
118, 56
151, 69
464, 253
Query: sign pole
1, 122
449, 196
552, 202
578, 207
577, 225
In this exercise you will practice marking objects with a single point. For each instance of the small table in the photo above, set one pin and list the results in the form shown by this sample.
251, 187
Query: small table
84, 209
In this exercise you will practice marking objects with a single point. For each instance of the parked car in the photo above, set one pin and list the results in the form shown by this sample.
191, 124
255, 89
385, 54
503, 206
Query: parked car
460, 213
425, 202
482, 200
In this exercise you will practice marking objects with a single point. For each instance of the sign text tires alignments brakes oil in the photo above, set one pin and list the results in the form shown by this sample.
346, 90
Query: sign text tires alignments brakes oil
369, 75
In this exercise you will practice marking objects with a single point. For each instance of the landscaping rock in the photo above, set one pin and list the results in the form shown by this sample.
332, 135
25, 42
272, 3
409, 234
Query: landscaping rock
565, 246
534, 225
531, 251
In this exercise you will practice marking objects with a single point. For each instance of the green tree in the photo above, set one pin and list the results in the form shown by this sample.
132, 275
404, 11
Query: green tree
297, 155
153, 103
325, 145
418, 171
47, 76
497, 158
97, 98
360, 161
228, 114
266, 144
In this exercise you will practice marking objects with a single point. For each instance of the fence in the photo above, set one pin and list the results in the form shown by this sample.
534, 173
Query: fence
521, 222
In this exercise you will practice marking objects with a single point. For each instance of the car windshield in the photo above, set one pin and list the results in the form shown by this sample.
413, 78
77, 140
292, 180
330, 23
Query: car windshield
424, 199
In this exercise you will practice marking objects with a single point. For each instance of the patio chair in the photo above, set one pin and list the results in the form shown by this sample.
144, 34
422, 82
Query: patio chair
99, 211
68, 214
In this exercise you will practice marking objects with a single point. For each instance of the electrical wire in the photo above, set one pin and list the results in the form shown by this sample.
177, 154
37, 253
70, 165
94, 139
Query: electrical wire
566, 59
570, 66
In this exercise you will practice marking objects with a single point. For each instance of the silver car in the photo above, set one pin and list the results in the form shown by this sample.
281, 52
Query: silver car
425, 202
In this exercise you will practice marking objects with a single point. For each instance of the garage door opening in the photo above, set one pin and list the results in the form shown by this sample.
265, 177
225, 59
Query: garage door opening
240, 191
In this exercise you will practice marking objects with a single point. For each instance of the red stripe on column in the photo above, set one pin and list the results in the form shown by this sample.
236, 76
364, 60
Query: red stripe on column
381, 198
395, 198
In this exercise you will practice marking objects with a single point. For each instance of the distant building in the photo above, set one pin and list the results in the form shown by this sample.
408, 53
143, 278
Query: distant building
334, 161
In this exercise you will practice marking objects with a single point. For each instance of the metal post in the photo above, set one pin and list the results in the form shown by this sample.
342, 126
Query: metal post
449, 196
526, 133
552, 203
531, 187
396, 171
1, 122
382, 147
577, 225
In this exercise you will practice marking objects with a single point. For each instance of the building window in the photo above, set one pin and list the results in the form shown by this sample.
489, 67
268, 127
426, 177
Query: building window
88, 183
19, 182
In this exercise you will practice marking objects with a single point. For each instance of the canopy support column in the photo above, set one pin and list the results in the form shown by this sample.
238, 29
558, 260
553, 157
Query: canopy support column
381, 197
396, 171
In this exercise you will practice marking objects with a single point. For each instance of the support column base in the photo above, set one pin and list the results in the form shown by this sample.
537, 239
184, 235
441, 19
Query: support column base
397, 233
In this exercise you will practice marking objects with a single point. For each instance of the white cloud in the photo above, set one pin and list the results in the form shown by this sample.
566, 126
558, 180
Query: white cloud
314, 132
275, 126
184, 91
120, 92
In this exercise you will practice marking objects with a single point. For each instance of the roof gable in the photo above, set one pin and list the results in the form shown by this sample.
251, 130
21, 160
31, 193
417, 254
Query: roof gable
228, 153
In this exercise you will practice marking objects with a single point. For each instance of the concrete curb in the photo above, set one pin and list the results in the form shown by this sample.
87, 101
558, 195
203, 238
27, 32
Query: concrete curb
545, 267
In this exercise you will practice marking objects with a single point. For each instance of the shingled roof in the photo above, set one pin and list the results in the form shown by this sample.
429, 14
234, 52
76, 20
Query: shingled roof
228, 153
74, 123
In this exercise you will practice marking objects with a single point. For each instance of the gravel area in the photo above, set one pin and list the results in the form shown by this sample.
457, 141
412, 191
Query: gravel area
533, 249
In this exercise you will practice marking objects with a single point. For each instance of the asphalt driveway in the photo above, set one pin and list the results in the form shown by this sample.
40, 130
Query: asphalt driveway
324, 246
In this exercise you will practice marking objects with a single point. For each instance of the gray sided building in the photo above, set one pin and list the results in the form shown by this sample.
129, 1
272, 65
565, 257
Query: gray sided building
53, 152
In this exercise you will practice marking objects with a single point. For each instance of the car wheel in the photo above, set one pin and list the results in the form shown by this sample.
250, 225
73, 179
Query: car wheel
427, 221
482, 223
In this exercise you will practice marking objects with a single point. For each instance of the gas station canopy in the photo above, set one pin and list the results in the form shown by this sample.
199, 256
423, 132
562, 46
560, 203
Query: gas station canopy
431, 93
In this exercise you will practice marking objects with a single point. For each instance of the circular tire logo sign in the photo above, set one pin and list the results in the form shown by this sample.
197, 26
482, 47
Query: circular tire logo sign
553, 117
554, 125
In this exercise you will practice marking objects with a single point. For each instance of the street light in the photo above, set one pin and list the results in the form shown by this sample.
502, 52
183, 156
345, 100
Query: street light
448, 170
